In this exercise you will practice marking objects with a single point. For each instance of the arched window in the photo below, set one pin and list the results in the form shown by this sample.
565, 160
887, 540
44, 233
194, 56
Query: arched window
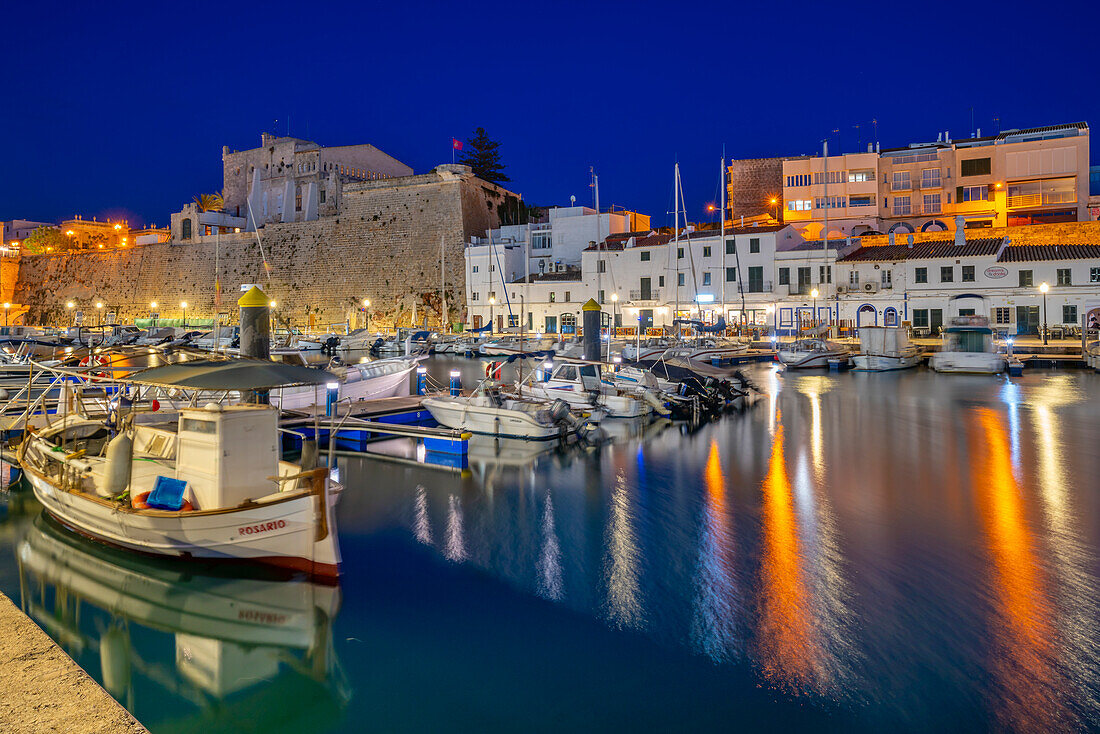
568, 319
185, 229
890, 316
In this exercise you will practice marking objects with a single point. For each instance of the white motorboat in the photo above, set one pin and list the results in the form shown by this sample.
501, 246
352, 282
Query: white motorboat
509, 345
581, 386
489, 411
968, 346
208, 484
809, 353
382, 378
646, 350
883, 348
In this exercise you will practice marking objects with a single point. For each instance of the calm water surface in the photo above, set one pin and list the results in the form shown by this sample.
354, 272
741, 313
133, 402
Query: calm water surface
859, 551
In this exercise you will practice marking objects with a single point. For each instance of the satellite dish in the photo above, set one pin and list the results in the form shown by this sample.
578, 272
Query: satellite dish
572, 200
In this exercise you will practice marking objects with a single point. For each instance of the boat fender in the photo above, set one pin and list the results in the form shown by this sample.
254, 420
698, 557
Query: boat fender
116, 470
114, 660
141, 502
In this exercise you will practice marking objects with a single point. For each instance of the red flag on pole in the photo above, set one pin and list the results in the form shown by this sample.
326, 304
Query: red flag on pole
456, 143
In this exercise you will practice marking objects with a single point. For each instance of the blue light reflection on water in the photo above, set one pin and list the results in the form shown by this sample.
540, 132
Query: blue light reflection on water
860, 551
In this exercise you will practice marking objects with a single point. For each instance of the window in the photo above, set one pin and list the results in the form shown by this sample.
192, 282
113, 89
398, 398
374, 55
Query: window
1027, 280
801, 179
853, 279
1094, 275
862, 200
731, 275
901, 206
569, 320
798, 205
567, 298
644, 256
968, 274
830, 202
920, 275
754, 244
824, 273
947, 274
679, 253
323, 197
601, 266
901, 181
1064, 277
660, 281
861, 176
513, 320
679, 278
475, 296
474, 269
208, 230
1069, 314
976, 167
920, 318
706, 278
887, 279
974, 193
930, 178
931, 203
784, 276
1002, 315
297, 202
756, 280
185, 229
492, 267
541, 240
706, 252
731, 248
830, 177
553, 298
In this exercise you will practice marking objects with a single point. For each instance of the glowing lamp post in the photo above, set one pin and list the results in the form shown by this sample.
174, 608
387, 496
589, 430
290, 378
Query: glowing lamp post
1043, 288
69, 307
492, 302
366, 312
99, 312
183, 305
775, 207
153, 310
7, 307
813, 295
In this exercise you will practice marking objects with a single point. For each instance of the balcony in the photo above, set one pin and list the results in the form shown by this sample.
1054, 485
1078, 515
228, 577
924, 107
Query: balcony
755, 286
652, 294
1055, 197
901, 186
915, 158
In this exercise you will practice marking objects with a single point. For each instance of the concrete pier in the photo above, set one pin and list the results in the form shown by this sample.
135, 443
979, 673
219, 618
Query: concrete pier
44, 690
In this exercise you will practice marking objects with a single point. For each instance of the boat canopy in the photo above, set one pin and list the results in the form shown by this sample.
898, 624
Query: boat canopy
230, 374
487, 327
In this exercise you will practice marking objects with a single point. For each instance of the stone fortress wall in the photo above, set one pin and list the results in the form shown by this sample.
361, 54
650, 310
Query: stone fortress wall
384, 245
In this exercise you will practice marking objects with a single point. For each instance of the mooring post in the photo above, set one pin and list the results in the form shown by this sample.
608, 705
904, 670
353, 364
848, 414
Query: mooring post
255, 332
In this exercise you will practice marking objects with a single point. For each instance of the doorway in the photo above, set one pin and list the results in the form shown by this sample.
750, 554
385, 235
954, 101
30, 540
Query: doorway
1027, 319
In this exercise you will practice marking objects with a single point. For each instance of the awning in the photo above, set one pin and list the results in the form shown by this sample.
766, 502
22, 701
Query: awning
231, 374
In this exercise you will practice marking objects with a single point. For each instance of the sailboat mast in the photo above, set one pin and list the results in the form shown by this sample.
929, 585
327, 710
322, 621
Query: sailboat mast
825, 233
722, 229
676, 242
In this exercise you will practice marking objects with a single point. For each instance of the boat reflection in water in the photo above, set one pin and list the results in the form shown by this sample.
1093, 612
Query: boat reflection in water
251, 654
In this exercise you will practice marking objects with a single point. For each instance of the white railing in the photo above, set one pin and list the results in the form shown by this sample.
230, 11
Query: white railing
1058, 197
653, 294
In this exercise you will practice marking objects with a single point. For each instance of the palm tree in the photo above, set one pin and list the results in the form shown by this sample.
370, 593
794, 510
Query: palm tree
209, 202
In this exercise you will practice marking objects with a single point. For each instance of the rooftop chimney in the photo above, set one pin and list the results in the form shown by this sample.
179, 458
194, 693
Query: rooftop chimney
891, 238
960, 231
909, 240
979, 133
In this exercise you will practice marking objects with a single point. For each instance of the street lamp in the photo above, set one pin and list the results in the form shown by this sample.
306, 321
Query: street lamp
152, 310
775, 206
492, 302
183, 305
1043, 288
99, 312
366, 311
6, 307
813, 295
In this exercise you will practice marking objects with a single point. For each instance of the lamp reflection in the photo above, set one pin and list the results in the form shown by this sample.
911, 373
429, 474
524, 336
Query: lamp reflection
715, 613
548, 566
1022, 667
455, 547
624, 602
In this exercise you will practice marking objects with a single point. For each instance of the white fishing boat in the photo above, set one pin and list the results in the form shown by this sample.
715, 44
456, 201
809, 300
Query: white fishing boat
810, 353
968, 346
508, 345
489, 411
207, 483
883, 348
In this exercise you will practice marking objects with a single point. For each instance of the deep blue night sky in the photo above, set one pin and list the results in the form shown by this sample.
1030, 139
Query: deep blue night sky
124, 111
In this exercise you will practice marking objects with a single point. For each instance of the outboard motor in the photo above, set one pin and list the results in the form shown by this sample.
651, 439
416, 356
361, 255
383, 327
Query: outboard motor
587, 430
377, 345
330, 345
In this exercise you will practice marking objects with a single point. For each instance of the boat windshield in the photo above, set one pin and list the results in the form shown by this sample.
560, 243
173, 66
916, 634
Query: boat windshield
968, 341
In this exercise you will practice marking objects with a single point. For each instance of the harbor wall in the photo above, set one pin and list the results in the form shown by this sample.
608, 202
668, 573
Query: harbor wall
383, 246
45, 690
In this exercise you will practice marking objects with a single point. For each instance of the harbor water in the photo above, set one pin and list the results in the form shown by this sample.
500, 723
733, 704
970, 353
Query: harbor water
861, 551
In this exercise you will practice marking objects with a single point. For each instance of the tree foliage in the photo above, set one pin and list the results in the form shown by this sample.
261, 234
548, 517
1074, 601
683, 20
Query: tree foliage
481, 154
44, 239
514, 210
209, 202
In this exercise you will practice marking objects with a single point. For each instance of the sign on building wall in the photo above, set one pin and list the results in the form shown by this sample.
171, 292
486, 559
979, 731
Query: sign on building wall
995, 272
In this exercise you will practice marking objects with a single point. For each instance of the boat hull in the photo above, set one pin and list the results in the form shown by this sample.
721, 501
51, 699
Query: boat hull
803, 361
296, 533
980, 363
882, 363
491, 421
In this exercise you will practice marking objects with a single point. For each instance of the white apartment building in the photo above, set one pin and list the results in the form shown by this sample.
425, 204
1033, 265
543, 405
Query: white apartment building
768, 277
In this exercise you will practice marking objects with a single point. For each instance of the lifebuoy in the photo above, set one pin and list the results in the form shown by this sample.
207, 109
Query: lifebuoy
141, 502
97, 360
492, 369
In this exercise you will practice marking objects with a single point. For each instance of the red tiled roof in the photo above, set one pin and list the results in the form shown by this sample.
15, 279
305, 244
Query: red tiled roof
1032, 253
925, 250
